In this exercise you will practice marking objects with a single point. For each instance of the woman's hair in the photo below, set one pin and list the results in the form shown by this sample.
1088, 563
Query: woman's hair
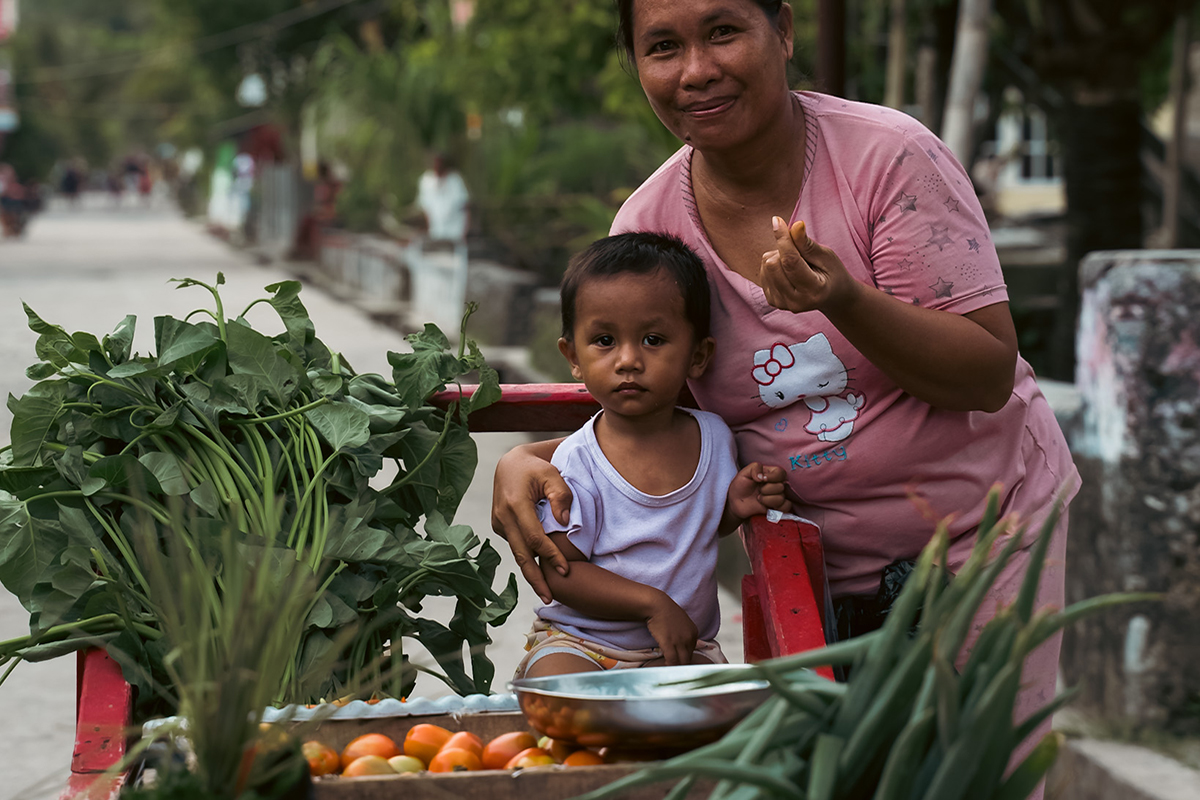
639, 254
625, 21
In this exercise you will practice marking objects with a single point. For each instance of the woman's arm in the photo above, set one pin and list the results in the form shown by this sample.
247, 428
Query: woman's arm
596, 592
957, 362
523, 477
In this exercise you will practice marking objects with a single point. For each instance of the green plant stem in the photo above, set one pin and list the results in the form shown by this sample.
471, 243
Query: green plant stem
428, 456
290, 413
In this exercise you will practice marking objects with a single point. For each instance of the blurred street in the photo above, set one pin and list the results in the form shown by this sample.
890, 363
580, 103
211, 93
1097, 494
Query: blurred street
85, 268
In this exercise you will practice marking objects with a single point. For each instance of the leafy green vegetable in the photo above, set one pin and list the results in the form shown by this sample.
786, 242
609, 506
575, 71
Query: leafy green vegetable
268, 436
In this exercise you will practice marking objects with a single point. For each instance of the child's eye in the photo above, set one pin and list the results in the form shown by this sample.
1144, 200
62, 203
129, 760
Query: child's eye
652, 340
605, 340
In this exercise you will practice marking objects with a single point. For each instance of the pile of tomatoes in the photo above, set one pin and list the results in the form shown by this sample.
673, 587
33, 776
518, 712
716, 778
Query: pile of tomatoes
432, 748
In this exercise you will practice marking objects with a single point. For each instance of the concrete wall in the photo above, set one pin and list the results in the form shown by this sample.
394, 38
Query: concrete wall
1134, 524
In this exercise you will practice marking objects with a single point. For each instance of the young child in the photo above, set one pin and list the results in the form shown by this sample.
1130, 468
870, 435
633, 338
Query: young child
654, 484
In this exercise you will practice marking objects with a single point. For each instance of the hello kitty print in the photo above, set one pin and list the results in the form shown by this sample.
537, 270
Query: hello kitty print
809, 371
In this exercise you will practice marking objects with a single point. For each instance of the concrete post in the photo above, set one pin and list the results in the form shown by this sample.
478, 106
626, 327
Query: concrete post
1135, 522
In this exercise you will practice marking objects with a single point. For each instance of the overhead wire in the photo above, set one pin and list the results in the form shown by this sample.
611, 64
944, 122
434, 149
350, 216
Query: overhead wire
205, 44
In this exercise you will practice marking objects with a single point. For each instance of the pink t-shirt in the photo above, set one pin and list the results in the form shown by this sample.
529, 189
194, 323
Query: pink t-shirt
875, 466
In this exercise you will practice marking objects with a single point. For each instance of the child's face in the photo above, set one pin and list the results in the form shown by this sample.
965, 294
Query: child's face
634, 348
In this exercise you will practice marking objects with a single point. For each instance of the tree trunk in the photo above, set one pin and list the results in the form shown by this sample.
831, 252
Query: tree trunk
1173, 172
1101, 141
933, 60
897, 57
831, 47
966, 76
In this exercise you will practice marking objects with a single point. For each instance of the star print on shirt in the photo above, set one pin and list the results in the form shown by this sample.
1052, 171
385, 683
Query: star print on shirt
973, 245
905, 264
942, 288
932, 155
907, 202
939, 236
951, 204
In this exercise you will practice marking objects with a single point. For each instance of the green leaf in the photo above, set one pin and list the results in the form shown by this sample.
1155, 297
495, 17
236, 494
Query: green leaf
120, 471
40, 371
252, 354
460, 537
181, 345
53, 343
28, 546
34, 415
205, 496
167, 471
341, 425
119, 343
1025, 777
285, 299
456, 468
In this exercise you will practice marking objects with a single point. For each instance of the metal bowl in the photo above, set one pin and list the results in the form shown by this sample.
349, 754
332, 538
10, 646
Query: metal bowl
636, 709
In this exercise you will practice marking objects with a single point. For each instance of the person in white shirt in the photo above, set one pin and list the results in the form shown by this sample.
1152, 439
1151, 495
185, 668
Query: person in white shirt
442, 197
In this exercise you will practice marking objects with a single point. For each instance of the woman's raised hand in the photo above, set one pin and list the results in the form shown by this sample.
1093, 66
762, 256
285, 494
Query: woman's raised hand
801, 275
521, 480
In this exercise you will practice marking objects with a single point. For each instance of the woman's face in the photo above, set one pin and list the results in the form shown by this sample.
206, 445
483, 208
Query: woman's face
714, 71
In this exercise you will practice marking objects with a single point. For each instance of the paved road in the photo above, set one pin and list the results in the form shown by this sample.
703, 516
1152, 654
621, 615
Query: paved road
85, 269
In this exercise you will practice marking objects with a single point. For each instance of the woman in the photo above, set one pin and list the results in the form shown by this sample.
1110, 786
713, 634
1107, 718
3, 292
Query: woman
880, 366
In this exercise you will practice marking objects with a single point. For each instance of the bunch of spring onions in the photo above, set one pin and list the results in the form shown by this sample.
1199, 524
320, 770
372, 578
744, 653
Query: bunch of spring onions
906, 725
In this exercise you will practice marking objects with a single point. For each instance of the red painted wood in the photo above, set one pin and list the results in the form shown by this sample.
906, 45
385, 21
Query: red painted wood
103, 717
755, 645
93, 786
786, 596
541, 407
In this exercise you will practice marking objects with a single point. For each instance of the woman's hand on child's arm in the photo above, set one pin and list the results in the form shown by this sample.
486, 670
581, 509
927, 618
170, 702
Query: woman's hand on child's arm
598, 593
755, 490
524, 476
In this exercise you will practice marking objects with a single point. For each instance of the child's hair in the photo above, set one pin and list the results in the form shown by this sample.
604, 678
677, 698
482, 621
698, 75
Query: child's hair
639, 253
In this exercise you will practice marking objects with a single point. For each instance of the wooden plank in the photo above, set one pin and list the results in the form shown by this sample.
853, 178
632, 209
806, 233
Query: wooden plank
548, 783
791, 614
104, 707
755, 644
534, 407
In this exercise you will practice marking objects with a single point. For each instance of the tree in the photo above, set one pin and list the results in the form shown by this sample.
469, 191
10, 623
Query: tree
966, 77
1089, 54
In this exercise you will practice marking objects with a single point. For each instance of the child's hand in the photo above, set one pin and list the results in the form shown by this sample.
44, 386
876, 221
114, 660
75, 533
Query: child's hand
674, 631
756, 489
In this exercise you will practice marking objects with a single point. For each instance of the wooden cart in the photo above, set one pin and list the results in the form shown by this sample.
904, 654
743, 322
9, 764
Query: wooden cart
782, 598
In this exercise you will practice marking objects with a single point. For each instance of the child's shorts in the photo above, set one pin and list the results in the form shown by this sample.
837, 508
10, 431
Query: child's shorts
544, 639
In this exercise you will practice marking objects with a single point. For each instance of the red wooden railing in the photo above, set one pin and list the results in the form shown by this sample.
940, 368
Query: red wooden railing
782, 599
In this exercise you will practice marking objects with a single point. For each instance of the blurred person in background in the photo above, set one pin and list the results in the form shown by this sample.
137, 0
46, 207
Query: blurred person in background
323, 214
13, 210
442, 198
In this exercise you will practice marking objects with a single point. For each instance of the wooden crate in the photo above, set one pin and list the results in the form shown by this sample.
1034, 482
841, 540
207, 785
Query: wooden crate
542, 783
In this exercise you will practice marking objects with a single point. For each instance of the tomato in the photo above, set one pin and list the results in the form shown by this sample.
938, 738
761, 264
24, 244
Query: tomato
424, 740
531, 757
369, 744
406, 764
322, 759
465, 740
583, 758
503, 748
368, 765
453, 759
